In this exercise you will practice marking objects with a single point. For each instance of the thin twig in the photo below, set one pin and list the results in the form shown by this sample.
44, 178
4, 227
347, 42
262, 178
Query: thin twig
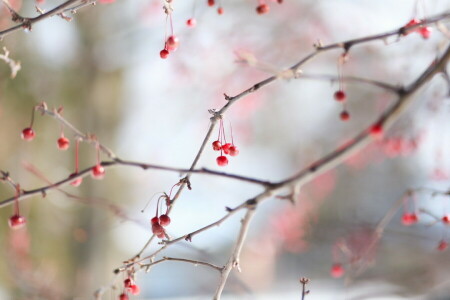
233, 261
194, 262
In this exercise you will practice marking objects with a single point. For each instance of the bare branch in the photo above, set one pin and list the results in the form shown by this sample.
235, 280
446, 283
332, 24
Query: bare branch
233, 261
13, 65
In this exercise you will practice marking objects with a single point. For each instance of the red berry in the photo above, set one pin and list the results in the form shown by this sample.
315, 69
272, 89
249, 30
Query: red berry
28, 134
154, 220
409, 219
157, 229
226, 148
262, 9
63, 143
425, 32
127, 282
17, 221
376, 131
222, 161
161, 235
164, 220
345, 116
337, 271
234, 151
211, 2
164, 53
172, 43
442, 246
77, 181
216, 145
412, 23
134, 289
123, 296
446, 219
191, 22
340, 96
220, 11
98, 171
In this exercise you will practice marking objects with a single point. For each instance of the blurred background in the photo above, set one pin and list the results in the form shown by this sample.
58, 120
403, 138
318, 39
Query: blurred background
104, 68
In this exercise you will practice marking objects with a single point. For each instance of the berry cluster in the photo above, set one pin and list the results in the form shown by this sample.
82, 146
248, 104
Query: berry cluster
129, 287
424, 31
411, 217
224, 147
340, 95
159, 222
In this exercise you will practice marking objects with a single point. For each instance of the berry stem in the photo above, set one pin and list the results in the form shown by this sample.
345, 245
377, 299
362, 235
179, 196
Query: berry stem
231, 131
16, 200
97, 146
77, 149
32, 117
171, 24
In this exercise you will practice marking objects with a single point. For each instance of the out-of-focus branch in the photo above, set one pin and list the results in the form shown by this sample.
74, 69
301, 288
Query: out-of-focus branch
13, 65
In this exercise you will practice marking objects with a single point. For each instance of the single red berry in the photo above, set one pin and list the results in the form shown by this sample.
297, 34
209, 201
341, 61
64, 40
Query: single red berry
134, 289
172, 43
164, 53
17, 221
191, 22
77, 181
446, 219
226, 148
340, 96
216, 145
442, 246
425, 32
127, 282
376, 131
220, 11
98, 171
164, 220
154, 220
262, 9
157, 229
211, 2
222, 161
345, 116
337, 271
234, 151
28, 134
409, 219
123, 296
63, 143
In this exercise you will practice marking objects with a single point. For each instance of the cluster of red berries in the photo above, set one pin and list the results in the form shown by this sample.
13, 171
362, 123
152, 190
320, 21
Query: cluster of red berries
131, 287
411, 218
340, 95
159, 222
395, 146
424, 31
170, 45
225, 148
263, 8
